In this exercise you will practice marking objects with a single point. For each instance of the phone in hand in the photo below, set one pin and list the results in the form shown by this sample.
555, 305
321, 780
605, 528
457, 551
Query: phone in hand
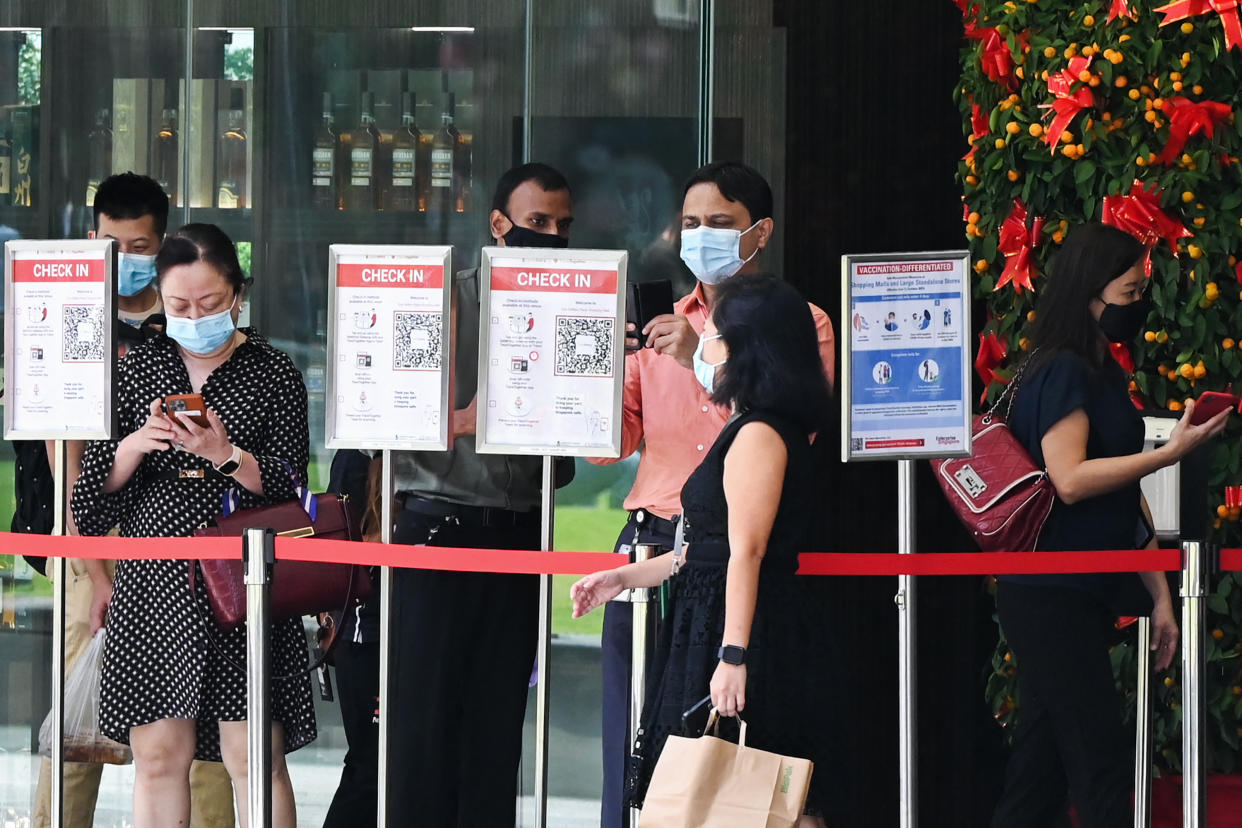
188, 407
645, 301
1211, 403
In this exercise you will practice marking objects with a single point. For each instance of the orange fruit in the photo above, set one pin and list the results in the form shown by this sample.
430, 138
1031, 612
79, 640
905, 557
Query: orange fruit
1013, 175
1141, 161
1067, 137
1188, 27
1222, 511
1000, 143
1174, 405
973, 218
1188, 196
1150, 336
1088, 21
1175, 76
1162, 337
1218, 633
1187, 370
1195, 251
1197, 89
1013, 127
1084, 75
1227, 343
1177, 86
1036, 130
1050, 52
1030, 316
1134, 94
1120, 81
1058, 237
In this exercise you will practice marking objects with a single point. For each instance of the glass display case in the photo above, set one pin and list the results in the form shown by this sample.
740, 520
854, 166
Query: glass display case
294, 126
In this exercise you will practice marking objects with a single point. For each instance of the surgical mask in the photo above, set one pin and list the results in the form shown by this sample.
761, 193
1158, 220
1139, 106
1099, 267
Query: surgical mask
525, 237
1122, 323
713, 254
133, 273
705, 372
203, 335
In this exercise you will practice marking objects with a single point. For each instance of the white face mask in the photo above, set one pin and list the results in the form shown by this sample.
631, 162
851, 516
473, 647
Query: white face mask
713, 254
705, 372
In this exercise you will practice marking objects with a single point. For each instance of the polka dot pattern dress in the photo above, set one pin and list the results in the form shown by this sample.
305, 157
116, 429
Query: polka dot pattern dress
159, 661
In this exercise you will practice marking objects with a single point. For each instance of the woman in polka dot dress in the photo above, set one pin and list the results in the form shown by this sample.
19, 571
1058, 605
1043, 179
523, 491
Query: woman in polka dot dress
172, 688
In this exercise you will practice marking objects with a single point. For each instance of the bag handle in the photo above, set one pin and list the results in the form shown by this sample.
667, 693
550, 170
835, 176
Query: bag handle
713, 724
231, 499
1011, 391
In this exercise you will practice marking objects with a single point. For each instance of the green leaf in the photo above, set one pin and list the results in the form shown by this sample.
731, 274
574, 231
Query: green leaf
1084, 171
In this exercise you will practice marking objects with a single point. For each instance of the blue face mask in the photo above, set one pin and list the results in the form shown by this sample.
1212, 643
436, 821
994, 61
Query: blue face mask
705, 372
203, 335
133, 273
713, 253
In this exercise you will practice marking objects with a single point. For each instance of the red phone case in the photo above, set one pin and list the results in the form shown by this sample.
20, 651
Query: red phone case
1211, 403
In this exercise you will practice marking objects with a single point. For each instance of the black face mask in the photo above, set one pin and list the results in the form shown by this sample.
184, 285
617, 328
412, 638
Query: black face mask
1122, 323
525, 237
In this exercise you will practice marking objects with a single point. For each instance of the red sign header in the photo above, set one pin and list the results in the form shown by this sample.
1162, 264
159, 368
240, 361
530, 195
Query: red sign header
57, 270
390, 275
554, 280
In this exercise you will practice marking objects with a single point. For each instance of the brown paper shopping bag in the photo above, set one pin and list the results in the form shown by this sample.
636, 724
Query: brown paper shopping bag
712, 782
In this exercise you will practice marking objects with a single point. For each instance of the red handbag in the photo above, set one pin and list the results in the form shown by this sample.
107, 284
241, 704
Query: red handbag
998, 492
298, 587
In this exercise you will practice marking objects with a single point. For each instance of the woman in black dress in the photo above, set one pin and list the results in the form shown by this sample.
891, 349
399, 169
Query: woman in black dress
171, 687
742, 629
1073, 413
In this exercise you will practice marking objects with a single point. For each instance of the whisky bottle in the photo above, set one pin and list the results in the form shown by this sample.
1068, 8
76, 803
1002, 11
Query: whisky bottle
231, 155
323, 161
405, 145
98, 154
363, 152
444, 153
164, 155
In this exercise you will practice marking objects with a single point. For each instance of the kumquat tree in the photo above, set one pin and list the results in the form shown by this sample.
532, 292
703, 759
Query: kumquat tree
1126, 112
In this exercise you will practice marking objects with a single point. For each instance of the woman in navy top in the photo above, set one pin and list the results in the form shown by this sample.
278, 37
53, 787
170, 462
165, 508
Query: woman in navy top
1073, 413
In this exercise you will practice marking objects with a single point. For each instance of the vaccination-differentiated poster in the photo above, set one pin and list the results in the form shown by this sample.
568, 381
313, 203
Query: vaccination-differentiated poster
906, 358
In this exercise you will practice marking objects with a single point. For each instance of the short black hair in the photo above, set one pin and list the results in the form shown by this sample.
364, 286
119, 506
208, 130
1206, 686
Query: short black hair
1093, 255
736, 182
128, 195
548, 178
774, 362
205, 243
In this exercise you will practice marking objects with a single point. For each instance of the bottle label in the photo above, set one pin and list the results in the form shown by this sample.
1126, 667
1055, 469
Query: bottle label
403, 168
323, 166
442, 168
360, 167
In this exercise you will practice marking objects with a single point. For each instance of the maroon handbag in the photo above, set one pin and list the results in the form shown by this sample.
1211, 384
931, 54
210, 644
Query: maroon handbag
998, 492
298, 587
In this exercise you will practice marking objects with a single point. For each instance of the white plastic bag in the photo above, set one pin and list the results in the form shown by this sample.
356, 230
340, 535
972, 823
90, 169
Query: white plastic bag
83, 740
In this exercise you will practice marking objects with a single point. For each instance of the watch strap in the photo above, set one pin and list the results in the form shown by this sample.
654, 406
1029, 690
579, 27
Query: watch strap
229, 467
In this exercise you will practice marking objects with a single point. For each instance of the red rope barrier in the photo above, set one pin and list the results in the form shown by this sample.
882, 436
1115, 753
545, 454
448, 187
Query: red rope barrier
581, 563
1230, 560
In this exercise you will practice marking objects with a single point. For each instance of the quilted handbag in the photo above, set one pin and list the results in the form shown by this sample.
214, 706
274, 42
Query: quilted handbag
298, 587
998, 493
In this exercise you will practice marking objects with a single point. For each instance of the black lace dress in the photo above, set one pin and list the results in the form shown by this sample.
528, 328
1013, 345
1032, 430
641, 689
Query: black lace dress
789, 705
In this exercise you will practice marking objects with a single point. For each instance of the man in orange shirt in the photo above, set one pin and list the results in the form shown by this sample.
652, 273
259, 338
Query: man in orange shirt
726, 223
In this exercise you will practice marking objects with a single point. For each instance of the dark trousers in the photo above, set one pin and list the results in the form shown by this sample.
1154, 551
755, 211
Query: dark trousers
615, 653
357, 687
1069, 733
463, 651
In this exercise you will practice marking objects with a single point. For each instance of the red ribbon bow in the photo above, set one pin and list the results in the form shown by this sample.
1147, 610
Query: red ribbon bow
991, 355
1068, 101
1119, 8
995, 58
1187, 118
1227, 9
978, 128
1017, 241
1139, 214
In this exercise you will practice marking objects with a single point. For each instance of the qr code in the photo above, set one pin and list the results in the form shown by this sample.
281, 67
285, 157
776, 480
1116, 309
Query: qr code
82, 333
584, 345
416, 341
856, 444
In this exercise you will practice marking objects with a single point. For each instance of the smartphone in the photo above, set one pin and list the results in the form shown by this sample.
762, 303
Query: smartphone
645, 301
187, 406
1211, 403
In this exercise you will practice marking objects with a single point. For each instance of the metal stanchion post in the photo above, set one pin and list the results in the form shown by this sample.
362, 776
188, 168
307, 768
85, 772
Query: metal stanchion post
907, 642
386, 636
1194, 594
543, 651
1142, 727
639, 598
60, 515
259, 555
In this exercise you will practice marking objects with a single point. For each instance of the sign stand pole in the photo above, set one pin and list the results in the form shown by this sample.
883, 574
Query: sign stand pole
386, 634
542, 697
907, 642
258, 551
60, 468
1142, 726
1194, 597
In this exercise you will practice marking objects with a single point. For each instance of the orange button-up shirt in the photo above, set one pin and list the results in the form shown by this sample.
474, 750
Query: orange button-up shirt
665, 410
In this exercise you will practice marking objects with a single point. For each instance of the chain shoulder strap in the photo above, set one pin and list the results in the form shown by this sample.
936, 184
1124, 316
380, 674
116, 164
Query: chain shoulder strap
1010, 393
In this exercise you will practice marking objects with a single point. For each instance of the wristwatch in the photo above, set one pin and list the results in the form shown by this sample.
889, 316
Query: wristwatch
229, 467
732, 654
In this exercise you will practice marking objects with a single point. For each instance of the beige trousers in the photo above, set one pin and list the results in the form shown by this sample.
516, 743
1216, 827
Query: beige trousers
211, 792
